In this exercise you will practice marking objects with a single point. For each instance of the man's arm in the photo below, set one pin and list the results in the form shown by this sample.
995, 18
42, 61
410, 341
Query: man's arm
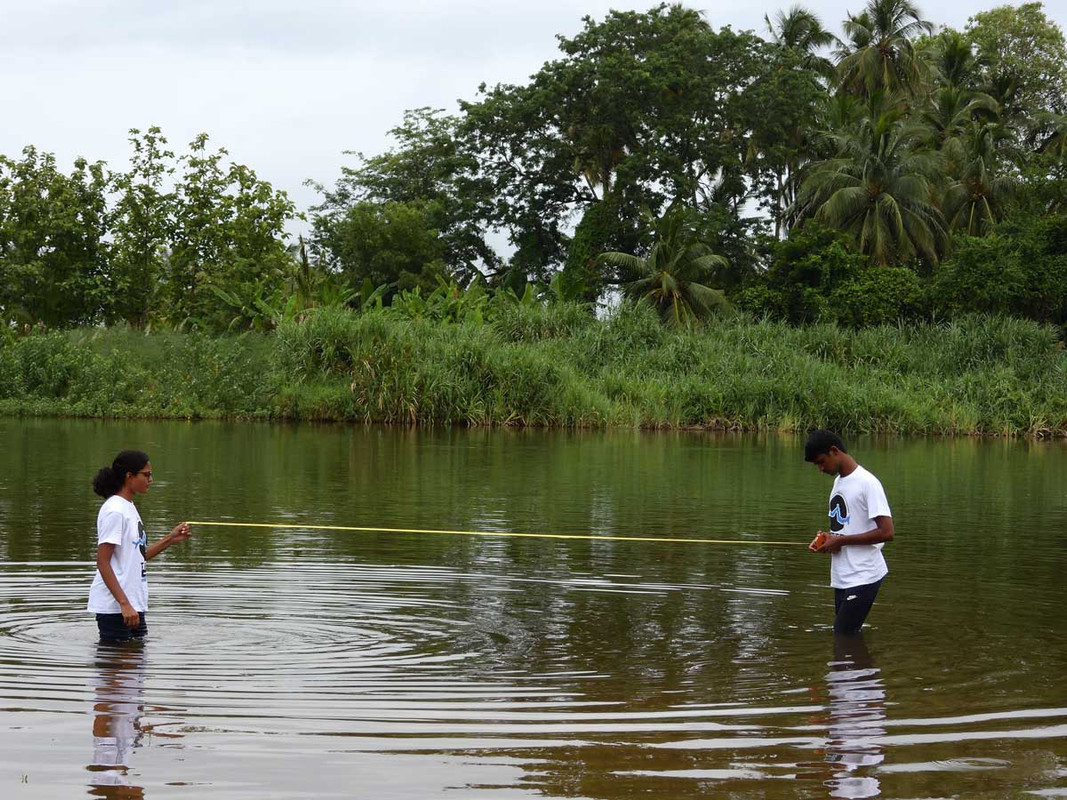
883, 532
179, 533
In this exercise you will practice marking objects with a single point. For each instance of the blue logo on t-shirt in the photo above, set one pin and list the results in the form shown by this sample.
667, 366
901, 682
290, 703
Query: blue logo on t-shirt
839, 515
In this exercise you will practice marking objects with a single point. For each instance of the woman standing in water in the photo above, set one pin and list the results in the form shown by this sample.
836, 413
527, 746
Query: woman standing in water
119, 594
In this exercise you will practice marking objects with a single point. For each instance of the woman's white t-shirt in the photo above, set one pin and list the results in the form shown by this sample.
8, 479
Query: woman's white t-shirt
855, 501
118, 523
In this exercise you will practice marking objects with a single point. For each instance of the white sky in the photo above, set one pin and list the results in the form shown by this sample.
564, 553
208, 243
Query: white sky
287, 86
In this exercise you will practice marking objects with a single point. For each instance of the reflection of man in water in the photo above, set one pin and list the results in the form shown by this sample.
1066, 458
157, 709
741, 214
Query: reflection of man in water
117, 719
857, 714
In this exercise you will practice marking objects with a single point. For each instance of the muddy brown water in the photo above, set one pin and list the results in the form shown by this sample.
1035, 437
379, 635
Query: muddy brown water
303, 663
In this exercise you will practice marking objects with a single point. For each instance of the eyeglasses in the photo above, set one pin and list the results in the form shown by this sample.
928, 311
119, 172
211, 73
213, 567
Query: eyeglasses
147, 473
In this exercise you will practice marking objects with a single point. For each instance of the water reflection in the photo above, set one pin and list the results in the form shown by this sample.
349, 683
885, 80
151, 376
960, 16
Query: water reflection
436, 667
117, 729
856, 717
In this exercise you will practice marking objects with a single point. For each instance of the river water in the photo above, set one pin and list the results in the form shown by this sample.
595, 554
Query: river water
288, 663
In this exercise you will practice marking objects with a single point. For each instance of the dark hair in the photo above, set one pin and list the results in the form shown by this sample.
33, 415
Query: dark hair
819, 443
109, 480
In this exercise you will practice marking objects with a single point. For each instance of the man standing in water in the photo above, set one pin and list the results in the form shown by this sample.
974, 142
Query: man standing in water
860, 524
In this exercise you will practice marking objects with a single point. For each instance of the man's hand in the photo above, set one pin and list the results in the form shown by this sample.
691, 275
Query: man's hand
825, 542
129, 615
833, 543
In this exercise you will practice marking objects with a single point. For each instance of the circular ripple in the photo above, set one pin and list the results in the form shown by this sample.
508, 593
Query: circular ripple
262, 622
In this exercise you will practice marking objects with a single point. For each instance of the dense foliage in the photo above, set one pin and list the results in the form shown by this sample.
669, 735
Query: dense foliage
939, 156
908, 140
175, 241
504, 360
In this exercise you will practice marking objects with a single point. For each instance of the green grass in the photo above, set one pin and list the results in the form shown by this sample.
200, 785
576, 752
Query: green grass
557, 366
121, 373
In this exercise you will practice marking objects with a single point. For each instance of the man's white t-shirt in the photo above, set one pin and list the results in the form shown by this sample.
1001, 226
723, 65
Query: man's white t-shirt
855, 501
118, 523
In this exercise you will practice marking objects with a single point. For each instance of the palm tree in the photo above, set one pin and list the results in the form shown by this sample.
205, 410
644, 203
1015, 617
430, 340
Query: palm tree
1004, 89
1052, 134
951, 55
974, 201
879, 186
670, 277
800, 30
799, 35
879, 52
951, 111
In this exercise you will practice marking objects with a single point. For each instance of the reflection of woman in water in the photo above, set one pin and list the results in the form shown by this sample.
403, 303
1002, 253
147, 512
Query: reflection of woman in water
857, 714
119, 594
116, 720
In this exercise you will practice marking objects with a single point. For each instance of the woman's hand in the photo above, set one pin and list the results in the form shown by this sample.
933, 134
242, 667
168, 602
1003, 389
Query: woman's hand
129, 615
180, 532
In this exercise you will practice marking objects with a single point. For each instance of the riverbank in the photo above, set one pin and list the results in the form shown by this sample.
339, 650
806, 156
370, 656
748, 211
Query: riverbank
557, 366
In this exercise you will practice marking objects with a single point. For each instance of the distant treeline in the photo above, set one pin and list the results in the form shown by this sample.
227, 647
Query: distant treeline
902, 172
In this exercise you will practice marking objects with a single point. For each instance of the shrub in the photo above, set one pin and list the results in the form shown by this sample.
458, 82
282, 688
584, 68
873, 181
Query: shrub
814, 275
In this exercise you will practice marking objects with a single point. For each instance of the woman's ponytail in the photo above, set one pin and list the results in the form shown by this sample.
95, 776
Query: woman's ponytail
110, 480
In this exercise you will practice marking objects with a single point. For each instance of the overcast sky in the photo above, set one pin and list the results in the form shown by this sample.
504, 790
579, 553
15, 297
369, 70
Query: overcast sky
287, 86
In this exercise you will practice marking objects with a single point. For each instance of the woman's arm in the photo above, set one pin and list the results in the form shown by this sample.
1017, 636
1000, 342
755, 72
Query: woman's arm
179, 533
103, 563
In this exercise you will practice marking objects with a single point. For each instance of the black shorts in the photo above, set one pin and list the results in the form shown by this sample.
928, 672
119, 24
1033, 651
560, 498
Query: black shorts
851, 606
113, 628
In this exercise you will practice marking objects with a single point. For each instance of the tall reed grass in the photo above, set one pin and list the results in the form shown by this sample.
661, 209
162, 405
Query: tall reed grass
558, 366
122, 373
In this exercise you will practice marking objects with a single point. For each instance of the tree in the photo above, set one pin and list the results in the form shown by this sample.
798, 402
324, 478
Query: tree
950, 113
817, 275
142, 229
952, 57
641, 110
1020, 268
229, 232
976, 197
53, 240
672, 276
431, 165
878, 187
1023, 58
785, 99
880, 52
583, 276
388, 244
800, 31
1052, 135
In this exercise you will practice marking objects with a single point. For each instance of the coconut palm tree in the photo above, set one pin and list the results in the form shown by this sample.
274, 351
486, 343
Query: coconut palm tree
952, 57
672, 276
1052, 134
951, 111
800, 30
974, 201
879, 49
783, 147
878, 186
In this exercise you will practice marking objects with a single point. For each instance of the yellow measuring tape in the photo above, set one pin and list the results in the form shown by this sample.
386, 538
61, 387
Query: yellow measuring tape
494, 533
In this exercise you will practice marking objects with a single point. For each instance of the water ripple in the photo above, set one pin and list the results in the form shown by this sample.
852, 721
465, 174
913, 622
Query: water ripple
476, 669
